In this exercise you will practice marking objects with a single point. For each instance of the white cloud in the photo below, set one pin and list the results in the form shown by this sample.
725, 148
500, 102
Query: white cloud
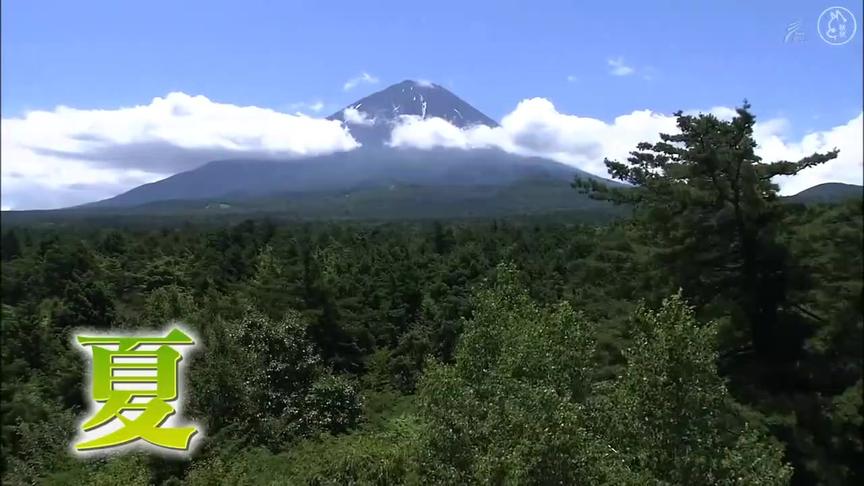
722, 112
68, 156
847, 167
537, 128
307, 106
353, 116
618, 68
364, 78
572, 78
426, 133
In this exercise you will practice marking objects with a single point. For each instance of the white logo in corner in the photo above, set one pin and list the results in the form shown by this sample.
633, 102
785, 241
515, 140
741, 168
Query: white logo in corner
837, 26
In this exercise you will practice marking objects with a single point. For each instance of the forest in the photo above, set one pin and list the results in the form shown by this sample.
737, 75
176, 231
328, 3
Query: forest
713, 336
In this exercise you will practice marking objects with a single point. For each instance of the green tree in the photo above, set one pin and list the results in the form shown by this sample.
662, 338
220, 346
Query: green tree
509, 410
271, 285
169, 303
10, 247
518, 405
265, 376
712, 207
671, 414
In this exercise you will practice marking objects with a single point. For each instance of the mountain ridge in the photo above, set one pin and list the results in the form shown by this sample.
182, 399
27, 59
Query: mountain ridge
374, 165
828, 192
436, 174
374, 115
417, 98
346, 170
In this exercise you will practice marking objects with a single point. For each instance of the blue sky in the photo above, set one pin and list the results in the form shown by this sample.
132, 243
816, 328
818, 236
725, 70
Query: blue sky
591, 59
96, 54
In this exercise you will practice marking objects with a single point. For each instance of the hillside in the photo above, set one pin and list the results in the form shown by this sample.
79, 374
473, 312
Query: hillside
831, 192
384, 181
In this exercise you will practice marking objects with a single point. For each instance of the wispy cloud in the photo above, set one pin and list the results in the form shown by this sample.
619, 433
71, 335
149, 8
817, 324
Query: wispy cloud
307, 106
617, 67
572, 78
364, 78
648, 73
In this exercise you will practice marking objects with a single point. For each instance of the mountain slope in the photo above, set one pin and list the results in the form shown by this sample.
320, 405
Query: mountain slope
378, 177
358, 169
531, 197
425, 100
831, 192
382, 109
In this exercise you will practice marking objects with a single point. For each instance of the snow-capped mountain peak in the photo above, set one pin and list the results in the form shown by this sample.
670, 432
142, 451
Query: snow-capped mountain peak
418, 98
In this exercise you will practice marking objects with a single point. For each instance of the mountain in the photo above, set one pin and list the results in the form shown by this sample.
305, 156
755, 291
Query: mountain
375, 179
346, 171
831, 192
525, 197
380, 110
535, 200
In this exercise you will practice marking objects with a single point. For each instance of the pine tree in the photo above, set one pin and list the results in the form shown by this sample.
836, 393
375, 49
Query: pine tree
10, 246
710, 202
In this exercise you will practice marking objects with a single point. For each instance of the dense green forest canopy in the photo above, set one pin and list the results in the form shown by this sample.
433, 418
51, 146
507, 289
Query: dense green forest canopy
713, 338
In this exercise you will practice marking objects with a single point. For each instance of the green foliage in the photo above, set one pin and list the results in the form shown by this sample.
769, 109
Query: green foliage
670, 412
331, 404
265, 376
383, 457
711, 206
10, 247
168, 303
317, 336
276, 359
509, 409
515, 406
131, 470
782, 280
40, 446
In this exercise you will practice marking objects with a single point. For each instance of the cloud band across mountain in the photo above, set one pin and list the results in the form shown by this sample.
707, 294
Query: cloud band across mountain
67, 156
537, 128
